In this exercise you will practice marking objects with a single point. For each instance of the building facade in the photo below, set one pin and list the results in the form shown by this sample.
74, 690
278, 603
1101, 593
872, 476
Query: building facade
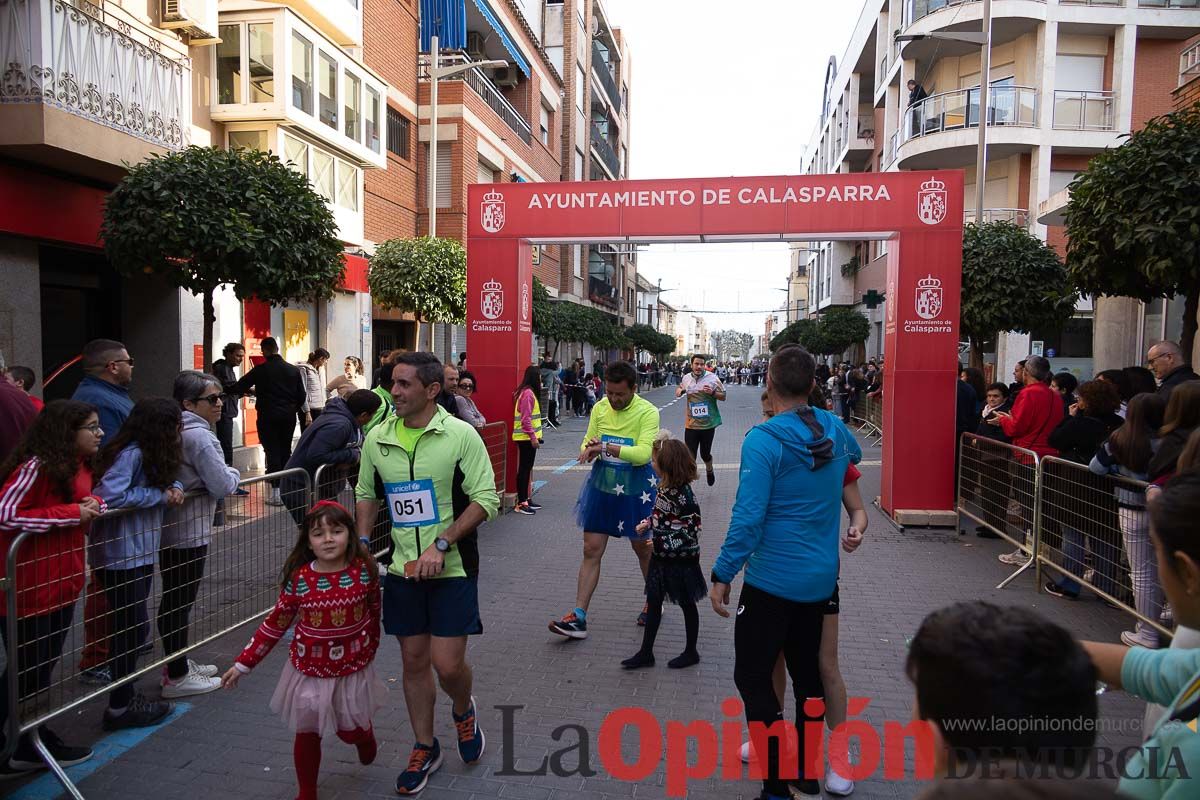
1067, 80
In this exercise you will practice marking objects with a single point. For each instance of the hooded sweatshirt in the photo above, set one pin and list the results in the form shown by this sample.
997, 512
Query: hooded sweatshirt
333, 438
131, 539
787, 514
206, 478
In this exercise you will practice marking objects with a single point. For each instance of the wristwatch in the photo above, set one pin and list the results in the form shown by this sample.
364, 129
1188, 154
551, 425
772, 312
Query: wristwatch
442, 545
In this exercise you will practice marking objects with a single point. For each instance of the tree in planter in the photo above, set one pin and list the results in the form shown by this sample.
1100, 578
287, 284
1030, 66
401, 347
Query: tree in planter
1133, 220
425, 276
1011, 281
202, 218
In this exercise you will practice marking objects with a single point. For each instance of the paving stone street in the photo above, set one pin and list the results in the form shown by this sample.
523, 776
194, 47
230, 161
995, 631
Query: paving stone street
228, 744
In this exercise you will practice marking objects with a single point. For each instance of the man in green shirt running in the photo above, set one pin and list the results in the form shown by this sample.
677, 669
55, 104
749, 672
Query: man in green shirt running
620, 491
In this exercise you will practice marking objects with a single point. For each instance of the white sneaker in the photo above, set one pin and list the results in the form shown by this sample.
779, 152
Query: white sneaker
189, 685
203, 670
273, 499
746, 752
1016, 558
837, 785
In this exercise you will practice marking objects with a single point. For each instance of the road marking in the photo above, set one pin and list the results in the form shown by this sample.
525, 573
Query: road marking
106, 750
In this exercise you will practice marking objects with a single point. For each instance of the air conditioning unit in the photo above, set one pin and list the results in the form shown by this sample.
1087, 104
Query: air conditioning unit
506, 76
475, 46
196, 19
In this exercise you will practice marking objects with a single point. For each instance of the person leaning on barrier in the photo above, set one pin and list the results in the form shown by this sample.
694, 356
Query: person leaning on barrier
187, 529
47, 488
334, 440
467, 410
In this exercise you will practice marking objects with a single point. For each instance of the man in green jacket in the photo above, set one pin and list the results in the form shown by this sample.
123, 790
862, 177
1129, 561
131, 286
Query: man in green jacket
436, 479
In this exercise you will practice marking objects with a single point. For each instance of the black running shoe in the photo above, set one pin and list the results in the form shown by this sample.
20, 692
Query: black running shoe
141, 713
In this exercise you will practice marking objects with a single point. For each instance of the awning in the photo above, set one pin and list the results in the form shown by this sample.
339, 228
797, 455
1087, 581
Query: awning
447, 19
509, 44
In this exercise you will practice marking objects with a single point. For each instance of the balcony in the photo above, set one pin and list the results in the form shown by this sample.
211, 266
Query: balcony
1017, 216
1189, 64
919, 9
487, 91
889, 153
1168, 3
603, 71
1083, 111
602, 291
608, 156
89, 62
1007, 105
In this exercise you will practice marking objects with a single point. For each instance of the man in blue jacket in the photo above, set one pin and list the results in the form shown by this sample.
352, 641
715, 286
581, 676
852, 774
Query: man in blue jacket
784, 530
332, 438
109, 371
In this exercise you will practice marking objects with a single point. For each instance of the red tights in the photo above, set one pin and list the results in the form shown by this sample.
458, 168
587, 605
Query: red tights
306, 753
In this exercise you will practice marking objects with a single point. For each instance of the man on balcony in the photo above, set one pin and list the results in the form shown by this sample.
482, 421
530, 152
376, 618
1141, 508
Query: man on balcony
916, 93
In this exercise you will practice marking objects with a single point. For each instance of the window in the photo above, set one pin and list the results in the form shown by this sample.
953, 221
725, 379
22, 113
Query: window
302, 76
248, 140
327, 83
578, 164
372, 130
579, 82
347, 185
261, 42
322, 177
443, 194
545, 125
351, 89
296, 152
229, 64
484, 173
398, 133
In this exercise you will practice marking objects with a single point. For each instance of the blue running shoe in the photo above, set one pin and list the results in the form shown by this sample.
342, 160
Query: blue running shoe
470, 736
423, 762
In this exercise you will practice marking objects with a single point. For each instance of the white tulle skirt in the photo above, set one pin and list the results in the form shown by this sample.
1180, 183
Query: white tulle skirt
327, 705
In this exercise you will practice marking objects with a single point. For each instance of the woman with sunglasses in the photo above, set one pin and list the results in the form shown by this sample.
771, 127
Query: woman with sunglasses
467, 410
187, 529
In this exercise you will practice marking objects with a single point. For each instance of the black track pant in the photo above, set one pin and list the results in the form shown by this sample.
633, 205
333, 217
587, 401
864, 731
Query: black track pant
766, 626
700, 440
525, 458
37, 649
181, 569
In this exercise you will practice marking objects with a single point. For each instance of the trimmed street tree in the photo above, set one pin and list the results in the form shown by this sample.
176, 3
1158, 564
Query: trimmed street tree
202, 218
804, 332
642, 337
425, 276
1011, 281
842, 328
1133, 220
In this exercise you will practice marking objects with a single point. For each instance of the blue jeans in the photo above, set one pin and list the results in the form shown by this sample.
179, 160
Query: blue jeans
1105, 560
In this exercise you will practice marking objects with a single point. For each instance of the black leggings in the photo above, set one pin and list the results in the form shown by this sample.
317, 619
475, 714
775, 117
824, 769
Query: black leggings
701, 440
767, 625
39, 646
654, 611
525, 458
181, 569
126, 591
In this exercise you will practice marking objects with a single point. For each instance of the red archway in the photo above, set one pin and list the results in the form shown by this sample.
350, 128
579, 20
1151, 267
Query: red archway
920, 212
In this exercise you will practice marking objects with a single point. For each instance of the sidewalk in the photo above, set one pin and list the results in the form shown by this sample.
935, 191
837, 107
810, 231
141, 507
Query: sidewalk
228, 744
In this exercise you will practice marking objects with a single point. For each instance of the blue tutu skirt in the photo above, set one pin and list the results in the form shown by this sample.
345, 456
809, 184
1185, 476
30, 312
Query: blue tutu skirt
615, 498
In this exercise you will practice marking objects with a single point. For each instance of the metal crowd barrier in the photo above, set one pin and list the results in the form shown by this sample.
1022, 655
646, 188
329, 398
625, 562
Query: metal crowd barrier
67, 623
1079, 525
869, 417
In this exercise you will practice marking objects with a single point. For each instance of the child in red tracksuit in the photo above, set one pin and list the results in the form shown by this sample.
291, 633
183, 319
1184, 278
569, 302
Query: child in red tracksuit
46, 489
330, 589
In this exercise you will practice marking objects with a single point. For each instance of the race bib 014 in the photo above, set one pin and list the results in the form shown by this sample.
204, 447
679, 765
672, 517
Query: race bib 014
412, 503
698, 410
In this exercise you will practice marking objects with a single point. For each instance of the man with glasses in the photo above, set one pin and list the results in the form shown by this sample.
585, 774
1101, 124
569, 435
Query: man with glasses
108, 369
1165, 360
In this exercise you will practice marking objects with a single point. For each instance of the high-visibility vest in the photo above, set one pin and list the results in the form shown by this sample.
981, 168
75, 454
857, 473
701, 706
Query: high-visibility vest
519, 435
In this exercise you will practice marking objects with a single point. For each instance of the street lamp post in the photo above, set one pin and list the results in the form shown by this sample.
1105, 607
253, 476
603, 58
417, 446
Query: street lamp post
436, 73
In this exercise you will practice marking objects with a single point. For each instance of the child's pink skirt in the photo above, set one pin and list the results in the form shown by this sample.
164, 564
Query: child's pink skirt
327, 705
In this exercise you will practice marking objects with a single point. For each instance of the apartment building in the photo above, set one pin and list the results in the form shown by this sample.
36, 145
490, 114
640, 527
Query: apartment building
1066, 80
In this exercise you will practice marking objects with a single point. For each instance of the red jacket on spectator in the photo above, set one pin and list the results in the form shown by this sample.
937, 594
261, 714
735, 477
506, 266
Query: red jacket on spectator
50, 566
1035, 414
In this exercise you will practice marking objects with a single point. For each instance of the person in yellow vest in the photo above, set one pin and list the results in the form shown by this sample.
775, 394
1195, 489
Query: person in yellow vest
527, 433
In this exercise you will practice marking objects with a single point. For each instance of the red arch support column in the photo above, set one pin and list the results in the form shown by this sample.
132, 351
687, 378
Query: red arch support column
921, 212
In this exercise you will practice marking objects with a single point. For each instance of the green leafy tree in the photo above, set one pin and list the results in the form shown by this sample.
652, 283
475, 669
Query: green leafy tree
805, 332
1133, 220
202, 218
642, 338
664, 345
425, 276
842, 328
1011, 281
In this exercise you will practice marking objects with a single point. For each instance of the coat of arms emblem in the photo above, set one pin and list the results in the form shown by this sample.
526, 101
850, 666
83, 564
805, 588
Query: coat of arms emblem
929, 297
931, 202
492, 212
491, 301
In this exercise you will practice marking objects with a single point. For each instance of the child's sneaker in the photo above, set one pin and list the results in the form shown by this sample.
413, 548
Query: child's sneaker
423, 762
471, 740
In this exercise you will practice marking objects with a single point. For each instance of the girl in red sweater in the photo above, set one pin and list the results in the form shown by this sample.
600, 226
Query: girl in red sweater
46, 489
330, 589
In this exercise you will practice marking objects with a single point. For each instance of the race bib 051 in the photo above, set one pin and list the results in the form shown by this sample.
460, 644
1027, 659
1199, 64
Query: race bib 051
412, 503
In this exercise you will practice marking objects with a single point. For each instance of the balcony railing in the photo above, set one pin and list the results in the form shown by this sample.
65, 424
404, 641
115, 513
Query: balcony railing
601, 291
1007, 105
1189, 64
606, 152
1169, 3
918, 9
601, 68
889, 155
486, 90
1083, 111
1109, 3
82, 59
1017, 216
